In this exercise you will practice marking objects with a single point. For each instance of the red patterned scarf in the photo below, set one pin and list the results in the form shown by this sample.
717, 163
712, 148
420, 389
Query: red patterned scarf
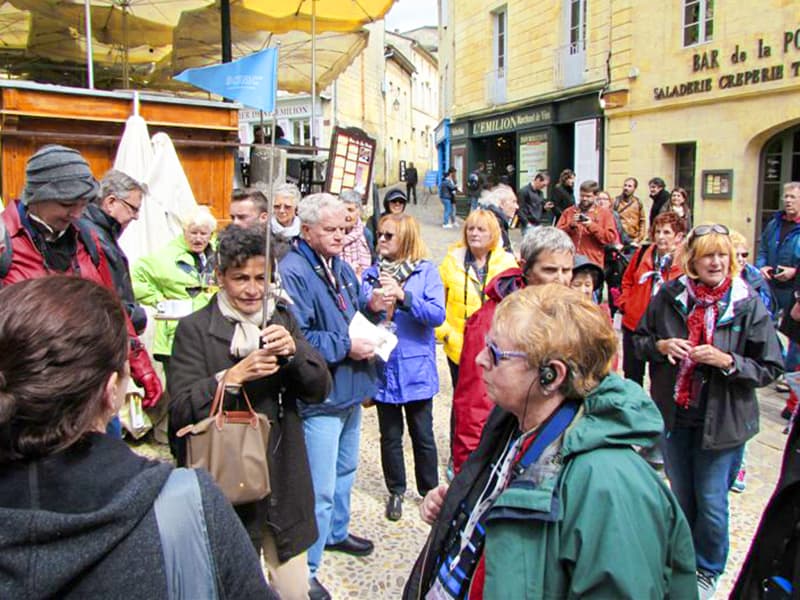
701, 324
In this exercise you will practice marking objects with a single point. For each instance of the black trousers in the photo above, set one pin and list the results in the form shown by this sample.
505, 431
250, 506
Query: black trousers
631, 365
411, 190
419, 417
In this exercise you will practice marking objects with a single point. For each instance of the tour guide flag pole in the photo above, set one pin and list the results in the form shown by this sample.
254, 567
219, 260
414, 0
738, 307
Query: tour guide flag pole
251, 80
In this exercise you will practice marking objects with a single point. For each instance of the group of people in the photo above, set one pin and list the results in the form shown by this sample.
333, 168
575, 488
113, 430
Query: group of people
550, 494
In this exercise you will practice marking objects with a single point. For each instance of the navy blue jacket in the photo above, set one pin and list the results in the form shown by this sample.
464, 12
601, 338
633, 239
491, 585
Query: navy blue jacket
324, 317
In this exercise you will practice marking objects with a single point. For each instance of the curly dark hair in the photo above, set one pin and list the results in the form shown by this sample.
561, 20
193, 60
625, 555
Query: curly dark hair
236, 245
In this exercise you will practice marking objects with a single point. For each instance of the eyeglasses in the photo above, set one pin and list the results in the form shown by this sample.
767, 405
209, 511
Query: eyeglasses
496, 355
134, 209
702, 230
278, 207
385, 235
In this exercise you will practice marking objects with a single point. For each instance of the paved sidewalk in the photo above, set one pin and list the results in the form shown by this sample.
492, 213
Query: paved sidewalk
383, 574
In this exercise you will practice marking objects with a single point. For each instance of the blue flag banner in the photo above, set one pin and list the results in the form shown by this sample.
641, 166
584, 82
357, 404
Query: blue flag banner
251, 80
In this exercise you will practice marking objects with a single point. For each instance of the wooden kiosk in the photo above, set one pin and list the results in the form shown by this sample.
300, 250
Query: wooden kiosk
205, 133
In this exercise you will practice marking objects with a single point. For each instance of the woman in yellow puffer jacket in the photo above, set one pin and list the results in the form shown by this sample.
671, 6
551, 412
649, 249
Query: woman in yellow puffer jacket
469, 266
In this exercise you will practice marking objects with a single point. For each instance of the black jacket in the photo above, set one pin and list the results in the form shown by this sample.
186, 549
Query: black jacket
411, 176
80, 524
531, 207
108, 231
744, 330
776, 546
660, 204
202, 349
563, 198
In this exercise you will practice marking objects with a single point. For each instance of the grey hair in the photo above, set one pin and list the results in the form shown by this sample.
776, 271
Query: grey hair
201, 216
286, 190
350, 197
791, 185
120, 185
312, 205
543, 238
497, 194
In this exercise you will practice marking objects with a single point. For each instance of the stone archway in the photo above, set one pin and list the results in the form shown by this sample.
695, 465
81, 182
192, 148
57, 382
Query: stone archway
779, 162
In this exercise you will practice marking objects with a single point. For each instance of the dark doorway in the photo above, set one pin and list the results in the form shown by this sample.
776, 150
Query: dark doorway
780, 163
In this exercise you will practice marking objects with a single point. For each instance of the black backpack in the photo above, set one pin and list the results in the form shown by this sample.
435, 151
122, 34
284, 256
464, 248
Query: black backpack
473, 182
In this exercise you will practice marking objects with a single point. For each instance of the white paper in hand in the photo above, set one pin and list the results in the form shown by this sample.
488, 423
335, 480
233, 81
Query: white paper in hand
384, 340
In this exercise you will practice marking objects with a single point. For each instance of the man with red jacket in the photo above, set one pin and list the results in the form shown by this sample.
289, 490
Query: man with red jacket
547, 254
590, 226
43, 238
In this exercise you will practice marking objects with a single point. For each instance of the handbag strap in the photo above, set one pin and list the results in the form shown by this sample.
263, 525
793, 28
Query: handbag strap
218, 404
189, 564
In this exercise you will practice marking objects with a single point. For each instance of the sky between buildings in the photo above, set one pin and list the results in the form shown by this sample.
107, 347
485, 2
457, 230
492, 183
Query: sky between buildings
410, 14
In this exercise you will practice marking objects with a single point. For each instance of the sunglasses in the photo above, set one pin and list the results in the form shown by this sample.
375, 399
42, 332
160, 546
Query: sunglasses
385, 235
282, 206
742, 254
496, 355
702, 230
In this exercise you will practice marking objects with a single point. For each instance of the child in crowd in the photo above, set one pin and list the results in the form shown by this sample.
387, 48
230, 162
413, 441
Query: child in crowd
587, 278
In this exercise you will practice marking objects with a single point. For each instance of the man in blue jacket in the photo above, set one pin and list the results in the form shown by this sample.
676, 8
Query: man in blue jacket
326, 294
779, 257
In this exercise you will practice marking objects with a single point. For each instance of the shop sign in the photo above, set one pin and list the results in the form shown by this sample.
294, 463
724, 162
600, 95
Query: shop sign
441, 131
284, 112
748, 67
505, 123
458, 131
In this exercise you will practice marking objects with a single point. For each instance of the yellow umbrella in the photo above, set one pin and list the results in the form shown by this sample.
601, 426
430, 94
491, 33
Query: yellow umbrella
329, 15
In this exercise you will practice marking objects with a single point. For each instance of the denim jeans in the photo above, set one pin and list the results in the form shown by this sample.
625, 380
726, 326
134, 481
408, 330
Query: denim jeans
449, 217
332, 446
419, 418
700, 480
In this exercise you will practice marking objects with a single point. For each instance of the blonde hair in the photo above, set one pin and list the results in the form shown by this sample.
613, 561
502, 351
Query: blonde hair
552, 322
738, 239
710, 243
485, 218
408, 235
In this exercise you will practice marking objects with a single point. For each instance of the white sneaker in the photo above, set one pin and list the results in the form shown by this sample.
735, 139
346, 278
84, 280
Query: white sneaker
447, 226
706, 585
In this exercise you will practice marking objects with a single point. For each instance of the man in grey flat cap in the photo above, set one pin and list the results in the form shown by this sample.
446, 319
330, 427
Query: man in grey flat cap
43, 237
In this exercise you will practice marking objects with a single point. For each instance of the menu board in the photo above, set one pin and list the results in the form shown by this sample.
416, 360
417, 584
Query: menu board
350, 161
532, 156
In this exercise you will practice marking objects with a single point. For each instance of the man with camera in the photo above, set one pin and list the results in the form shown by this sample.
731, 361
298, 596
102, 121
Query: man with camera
590, 227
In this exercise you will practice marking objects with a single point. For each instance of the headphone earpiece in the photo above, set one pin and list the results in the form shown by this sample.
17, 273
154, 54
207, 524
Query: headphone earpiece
547, 375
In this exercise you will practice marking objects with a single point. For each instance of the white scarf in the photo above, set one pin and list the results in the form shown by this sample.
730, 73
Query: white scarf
247, 328
287, 233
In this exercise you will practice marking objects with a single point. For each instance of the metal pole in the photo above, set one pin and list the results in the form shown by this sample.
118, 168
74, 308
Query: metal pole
312, 129
125, 53
87, 10
225, 26
268, 237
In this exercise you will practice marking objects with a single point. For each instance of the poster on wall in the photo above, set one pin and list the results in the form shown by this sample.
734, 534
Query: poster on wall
532, 156
350, 160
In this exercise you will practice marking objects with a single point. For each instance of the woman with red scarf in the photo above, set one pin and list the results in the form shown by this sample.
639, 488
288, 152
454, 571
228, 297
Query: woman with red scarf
711, 343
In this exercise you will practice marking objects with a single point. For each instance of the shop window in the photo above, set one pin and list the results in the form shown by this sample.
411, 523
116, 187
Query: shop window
496, 77
698, 21
685, 162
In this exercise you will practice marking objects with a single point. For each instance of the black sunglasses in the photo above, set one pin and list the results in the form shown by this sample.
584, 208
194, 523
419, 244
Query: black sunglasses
385, 235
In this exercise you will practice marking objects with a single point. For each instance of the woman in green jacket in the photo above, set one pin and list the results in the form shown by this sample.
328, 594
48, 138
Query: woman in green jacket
178, 279
555, 502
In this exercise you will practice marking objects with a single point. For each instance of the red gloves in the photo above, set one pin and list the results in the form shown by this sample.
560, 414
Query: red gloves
144, 375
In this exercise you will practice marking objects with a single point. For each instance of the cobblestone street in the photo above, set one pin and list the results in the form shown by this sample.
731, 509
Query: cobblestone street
383, 574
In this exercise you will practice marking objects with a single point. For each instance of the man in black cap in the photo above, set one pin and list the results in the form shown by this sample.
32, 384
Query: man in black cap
44, 237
